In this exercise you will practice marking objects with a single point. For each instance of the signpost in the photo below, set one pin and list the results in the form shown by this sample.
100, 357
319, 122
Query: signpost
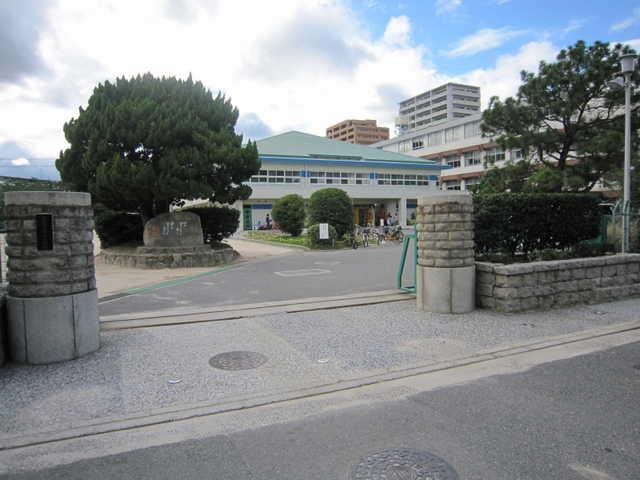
324, 231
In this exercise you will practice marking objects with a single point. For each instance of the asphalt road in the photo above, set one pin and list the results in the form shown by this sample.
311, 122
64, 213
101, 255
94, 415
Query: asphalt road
300, 274
572, 419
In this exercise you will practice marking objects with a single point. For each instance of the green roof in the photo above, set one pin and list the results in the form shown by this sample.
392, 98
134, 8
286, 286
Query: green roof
299, 144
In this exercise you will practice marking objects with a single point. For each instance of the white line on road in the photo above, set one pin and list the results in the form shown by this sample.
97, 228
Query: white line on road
303, 272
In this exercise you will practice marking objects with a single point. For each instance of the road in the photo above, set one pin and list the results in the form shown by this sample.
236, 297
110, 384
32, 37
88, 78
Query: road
572, 419
300, 274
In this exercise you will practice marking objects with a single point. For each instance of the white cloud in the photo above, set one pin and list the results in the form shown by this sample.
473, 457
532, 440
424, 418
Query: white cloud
398, 30
277, 76
573, 25
447, 6
20, 162
482, 40
633, 43
627, 22
503, 79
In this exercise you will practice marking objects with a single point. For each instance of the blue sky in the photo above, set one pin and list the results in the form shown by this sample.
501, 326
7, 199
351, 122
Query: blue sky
286, 64
441, 27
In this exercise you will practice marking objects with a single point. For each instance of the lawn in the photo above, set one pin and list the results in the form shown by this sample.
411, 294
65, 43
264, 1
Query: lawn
278, 238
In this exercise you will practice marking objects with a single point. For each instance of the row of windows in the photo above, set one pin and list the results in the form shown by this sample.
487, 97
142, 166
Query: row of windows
446, 135
475, 158
338, 178
400, 179
457, 184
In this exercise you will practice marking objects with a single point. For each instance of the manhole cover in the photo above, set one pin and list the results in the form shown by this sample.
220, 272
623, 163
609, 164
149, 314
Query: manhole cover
403, 464
237, 360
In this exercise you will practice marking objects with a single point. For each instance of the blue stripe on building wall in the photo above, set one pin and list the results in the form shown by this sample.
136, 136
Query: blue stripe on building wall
261, 206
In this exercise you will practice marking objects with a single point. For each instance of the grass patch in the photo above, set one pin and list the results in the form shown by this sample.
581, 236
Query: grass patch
278, 238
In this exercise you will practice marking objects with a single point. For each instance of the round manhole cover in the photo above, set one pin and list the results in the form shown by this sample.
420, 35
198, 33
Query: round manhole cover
239, 360
403, 464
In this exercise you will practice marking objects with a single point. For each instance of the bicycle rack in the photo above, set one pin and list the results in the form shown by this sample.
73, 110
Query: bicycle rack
408, 238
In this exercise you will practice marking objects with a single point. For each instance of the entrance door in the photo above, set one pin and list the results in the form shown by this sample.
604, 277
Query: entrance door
246, 215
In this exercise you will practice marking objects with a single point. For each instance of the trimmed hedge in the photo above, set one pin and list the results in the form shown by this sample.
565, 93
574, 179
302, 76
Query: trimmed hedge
117, 228
524, 222
218, 223
332, 206
313, 234
288, 212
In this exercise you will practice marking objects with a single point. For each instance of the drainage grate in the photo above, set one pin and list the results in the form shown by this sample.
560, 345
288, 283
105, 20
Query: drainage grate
403, 464
240, 360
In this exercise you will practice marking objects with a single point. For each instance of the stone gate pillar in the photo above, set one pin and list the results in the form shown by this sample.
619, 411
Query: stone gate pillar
446, 266
52, 304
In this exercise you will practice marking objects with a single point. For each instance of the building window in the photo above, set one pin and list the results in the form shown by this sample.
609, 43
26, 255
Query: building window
453, 134
517, 154
435, 138
469, 182
276, 176
417, 143
453, 161
473, 158
472, 130
494, 155
452, 185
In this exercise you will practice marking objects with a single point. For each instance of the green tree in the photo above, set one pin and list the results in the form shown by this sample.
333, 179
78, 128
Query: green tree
145, 143
565, 118
332, 206
288, 212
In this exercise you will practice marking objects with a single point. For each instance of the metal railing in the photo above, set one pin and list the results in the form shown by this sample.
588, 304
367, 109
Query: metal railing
409, 239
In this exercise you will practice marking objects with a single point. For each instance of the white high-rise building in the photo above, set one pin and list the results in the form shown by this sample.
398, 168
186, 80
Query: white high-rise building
442, 104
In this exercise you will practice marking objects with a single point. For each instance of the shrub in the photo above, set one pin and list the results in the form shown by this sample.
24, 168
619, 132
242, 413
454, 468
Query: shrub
218, 223
313, 234
288, 213
332, 206
523, 222
116, 228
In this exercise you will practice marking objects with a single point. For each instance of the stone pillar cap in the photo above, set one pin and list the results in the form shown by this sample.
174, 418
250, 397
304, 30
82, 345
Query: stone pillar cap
438, 198
62, 199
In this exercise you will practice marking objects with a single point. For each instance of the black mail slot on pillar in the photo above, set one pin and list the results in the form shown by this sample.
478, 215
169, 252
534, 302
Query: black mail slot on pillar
52, 303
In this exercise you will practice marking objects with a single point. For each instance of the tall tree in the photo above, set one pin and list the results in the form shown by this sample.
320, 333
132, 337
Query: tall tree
145, 143
566, 118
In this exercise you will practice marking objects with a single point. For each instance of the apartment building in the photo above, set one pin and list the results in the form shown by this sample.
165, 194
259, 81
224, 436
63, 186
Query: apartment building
457, 144
439, 105
362, 132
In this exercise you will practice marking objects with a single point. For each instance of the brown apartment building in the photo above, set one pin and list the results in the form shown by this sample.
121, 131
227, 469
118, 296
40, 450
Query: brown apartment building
363, 132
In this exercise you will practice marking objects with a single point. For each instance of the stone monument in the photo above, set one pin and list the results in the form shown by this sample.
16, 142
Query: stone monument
52, 302
446, 269
171, 240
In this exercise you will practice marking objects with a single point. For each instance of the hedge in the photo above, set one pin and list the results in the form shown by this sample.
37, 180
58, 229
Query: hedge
524, 222
288, 212
117, 228
218, 223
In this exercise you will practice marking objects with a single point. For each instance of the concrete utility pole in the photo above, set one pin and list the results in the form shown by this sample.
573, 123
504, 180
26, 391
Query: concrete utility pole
627, 66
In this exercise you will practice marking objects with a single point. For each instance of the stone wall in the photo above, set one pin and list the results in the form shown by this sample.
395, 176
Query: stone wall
66, 269
542, 285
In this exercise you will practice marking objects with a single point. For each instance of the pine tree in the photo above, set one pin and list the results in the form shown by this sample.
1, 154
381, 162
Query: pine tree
145, 143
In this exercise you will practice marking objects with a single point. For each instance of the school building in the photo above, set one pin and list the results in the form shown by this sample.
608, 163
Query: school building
379, 182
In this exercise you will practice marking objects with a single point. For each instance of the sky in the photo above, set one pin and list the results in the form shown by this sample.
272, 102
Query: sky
286, 64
